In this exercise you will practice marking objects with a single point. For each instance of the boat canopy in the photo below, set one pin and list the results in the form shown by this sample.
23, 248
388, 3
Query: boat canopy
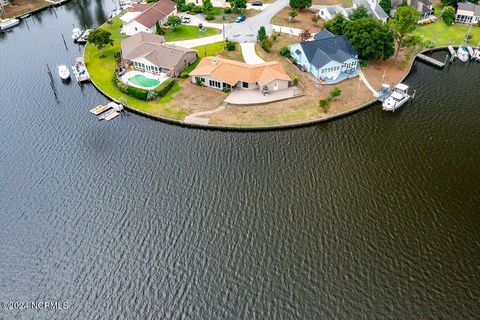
401, 86
397, 96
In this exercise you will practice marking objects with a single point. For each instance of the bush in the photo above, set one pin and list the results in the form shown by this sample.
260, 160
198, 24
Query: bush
315, 19
198, 81
190, 7
296, 80
266, 45
324, 104
231, 46
117, 57
161, 90
363, 64
285, 52
120, 86
274, 37
227, 10
430, 43
209, 17
262, 34
335, 93
448, 15
137, 93
197, 9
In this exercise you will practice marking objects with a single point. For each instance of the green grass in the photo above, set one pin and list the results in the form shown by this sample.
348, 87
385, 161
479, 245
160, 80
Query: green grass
184, 32
447, 35
217, 48
102, 71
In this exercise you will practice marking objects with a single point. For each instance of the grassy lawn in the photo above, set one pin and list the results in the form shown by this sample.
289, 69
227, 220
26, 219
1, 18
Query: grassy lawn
217, 49
447, 35
221, 17
345, 3
184, 32
173, 105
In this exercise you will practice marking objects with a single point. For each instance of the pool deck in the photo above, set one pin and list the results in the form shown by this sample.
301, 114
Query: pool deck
147, 75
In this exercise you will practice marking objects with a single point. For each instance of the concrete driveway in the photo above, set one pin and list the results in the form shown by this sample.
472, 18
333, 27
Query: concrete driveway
249, 54
247, 30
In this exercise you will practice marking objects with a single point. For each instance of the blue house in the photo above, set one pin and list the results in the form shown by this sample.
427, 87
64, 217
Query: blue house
328, 57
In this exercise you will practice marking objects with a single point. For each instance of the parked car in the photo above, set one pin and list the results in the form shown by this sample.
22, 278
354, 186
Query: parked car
257, 3
186, 19
240, 18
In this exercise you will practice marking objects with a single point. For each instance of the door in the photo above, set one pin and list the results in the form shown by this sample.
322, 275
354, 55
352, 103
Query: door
275, 86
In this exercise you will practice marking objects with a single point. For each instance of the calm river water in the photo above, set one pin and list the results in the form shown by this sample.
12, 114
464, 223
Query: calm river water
374, 216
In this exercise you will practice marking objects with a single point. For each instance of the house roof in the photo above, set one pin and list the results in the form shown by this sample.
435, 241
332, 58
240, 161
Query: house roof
139, 7
324, 34
155, 12
231, 72
321, 51
376, 11
475, 8
154, 49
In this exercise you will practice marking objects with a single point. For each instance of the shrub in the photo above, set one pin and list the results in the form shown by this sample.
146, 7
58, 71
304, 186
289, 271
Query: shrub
198, 81
209, 17
117, 56
296, 80
262, 34
448, 15
335, 93
197, 9
161, 90
324, 104
363, 64
285, 52
315, 19
274, 37
226, 90
231, 46
430, 43
137, 93
120, 86
266, 45
227, 10
190, 7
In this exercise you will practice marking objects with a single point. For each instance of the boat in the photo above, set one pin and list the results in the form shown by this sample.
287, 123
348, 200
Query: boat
398, 98
76, 33
476, 54
462, 54
63, 72
82, 39
25, 16
9, 23
80, 70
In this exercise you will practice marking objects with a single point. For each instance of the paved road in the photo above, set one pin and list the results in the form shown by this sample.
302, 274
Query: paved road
247, 30
249, 54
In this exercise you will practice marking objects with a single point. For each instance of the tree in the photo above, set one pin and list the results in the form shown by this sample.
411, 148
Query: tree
371, 38
448, 15
360, 12
403, 25
207, 6
386, 5
174, 21
324, 104
100, 38
158, 28
238, 4
337, 24
181, 5
300, 4
305, 35
262, 34
292, 14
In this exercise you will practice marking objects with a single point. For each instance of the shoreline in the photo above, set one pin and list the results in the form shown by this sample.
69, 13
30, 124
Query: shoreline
39, 9
270, 127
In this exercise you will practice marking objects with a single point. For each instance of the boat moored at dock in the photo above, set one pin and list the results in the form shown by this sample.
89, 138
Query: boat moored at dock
462, 54
397, 98
8, 23
80, 70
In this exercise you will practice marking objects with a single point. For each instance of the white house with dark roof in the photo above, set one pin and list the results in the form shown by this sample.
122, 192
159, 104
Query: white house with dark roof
144, 17
328, 57
467, 13
424, 7
375, 10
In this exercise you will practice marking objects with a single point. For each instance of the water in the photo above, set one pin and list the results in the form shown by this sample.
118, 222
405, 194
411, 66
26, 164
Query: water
373, 216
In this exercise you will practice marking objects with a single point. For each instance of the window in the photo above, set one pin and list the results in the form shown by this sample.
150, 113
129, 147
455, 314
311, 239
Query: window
215, 84
245, 84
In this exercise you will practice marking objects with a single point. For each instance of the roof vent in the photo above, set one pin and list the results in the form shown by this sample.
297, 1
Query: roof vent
214, 62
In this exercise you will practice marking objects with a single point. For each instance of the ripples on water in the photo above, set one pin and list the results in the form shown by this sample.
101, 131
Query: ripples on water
372, 216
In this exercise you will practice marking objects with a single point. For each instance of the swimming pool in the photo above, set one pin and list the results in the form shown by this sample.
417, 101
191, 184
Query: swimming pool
142, 81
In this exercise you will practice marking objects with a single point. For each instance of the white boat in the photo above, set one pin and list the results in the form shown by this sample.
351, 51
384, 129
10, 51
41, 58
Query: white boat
398, 98
63, 72
76, 33
462, 54
80, 70
9, 23
476, 54
115, 106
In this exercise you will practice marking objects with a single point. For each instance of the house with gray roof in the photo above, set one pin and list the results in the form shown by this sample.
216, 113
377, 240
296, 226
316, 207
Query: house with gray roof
373, 7
149, 52
328, 12
467, 13
424, 7
329, 58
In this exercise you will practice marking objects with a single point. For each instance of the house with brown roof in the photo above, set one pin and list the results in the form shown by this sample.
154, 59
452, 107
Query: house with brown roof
144, 17
224, 74
149, 52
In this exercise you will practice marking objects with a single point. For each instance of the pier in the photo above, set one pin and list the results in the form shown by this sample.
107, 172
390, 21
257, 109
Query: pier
430, 60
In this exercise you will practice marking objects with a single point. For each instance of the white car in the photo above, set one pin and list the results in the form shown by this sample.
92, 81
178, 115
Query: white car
186, 19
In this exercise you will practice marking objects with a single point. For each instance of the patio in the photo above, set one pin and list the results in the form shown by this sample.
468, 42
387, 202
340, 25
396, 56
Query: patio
252, 97
340, 78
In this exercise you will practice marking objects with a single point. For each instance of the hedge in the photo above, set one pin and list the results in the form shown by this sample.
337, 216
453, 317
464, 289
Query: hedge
161, 90
138, 93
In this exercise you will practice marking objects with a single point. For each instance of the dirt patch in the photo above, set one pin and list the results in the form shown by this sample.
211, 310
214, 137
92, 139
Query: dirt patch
23, 6
345, 3
303, 21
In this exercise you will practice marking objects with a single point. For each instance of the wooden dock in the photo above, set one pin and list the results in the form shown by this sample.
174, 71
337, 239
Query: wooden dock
432, 61
453, 53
